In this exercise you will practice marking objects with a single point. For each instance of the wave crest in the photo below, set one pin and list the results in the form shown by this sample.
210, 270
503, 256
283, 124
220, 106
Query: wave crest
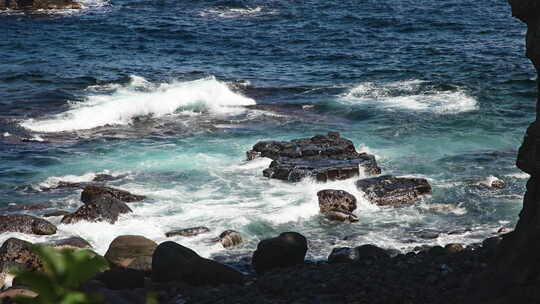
414, 95
120, 104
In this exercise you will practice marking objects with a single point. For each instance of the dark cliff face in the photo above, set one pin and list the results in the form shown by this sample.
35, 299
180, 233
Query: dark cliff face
514, 276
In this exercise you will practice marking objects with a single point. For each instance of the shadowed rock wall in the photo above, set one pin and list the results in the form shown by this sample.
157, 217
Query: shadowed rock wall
514, 275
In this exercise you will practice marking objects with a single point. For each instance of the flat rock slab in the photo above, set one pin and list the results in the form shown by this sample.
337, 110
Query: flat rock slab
324, 157
388, 190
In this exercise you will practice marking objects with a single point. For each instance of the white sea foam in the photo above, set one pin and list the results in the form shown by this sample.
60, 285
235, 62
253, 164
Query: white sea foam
141, 98
235, 12
519, 175
411, 95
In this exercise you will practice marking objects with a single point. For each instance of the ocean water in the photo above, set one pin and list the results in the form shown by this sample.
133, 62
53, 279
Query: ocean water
168, 95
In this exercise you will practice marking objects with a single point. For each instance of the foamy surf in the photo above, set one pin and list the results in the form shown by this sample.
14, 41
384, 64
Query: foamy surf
411, 95
119, 105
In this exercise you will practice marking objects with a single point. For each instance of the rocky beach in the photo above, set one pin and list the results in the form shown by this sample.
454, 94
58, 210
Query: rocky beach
281, 179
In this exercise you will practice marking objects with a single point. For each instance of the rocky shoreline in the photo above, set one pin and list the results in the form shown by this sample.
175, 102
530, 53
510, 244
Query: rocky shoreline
277, 271
503, 269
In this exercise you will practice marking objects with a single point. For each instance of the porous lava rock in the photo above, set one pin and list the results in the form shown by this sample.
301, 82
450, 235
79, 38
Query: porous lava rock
25, 224
337, 205
104, 208
93, 192
324, 157
388, 190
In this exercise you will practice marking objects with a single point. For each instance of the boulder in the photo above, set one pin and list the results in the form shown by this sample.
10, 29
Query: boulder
287, 249
73, 242
15, 255
324, 157
360, 253
39, 4
188, 232
389, 190
104, 208
337, 205
131, 251
173, 262
93, 192
25, 224
230, 238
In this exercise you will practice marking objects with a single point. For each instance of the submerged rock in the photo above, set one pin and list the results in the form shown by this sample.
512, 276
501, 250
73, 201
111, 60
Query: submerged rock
188, 232
93, 192
39, 4
287, 249
105, 208
389, 190
131, 251
173, 262
324, 157
337, 205
25, 224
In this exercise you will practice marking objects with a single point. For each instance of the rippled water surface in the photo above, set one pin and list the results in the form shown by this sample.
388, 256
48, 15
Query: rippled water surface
168, 95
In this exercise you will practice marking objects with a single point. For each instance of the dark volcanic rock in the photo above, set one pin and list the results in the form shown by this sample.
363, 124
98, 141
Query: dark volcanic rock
104, 208
337, 205
350, 255
73, 242
56, 213
17, 254
514, 275
285, 250
188, 232
25, 224
389, 190
230, 238
39, 4
122, 278
325, 157
131, 251
173, 262
93, 192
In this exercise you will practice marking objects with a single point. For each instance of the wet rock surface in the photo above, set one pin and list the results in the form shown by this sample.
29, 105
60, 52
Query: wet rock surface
388, 190
337, 205
324, 157
25, 224
73, 242
104, 208
188, 232
93, 192
230, 238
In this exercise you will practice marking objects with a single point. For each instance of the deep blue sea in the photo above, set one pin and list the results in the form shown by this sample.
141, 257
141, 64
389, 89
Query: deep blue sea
154, 92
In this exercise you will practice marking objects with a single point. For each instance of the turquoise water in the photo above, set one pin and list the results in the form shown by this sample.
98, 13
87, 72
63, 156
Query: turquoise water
168, 97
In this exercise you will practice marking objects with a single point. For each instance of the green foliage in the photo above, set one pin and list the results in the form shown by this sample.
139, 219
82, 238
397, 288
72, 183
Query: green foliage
65, 271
